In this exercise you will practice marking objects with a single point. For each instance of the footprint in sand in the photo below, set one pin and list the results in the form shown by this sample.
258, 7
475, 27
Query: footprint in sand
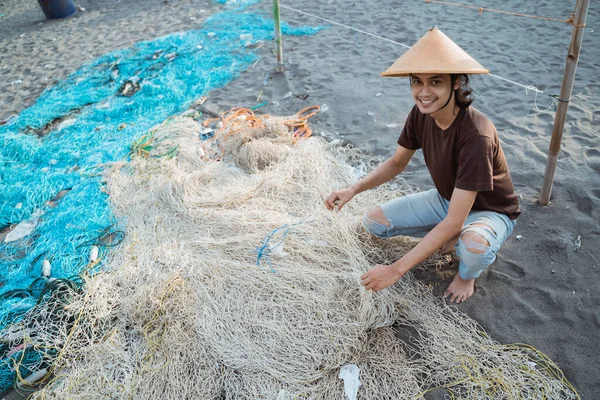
592, 157
481, 290
510, 269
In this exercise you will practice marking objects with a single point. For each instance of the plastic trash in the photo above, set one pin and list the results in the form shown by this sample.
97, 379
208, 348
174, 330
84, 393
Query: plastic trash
130, 86
206, 134
349, 374
33, 378
66, 123
22, 229
282, 395
577, 245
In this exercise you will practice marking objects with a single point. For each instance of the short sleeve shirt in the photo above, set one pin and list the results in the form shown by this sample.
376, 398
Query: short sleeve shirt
465, 156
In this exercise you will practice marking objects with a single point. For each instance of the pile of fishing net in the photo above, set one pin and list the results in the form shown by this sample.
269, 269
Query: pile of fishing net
235, 282
53, 205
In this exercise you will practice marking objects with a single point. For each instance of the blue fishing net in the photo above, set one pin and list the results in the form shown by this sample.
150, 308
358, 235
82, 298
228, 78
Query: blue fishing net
53, 153
237, 4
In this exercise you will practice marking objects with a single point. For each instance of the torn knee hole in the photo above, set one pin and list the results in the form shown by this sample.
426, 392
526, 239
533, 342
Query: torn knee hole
475, 243
477, 246
476, 238
376, 215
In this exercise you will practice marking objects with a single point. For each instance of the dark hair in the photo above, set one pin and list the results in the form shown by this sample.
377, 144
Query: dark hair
463, 95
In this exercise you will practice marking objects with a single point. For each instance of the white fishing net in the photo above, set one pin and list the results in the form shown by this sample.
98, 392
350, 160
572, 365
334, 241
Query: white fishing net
235, 282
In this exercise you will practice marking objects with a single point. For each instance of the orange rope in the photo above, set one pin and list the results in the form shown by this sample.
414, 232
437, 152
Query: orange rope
299, 123
244, 114
210, 120
236, 118
305, 114
570, 19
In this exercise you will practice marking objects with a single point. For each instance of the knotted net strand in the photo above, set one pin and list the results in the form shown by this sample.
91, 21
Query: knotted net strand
235, 282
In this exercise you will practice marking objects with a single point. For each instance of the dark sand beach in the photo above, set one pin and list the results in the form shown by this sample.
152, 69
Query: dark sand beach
542, 290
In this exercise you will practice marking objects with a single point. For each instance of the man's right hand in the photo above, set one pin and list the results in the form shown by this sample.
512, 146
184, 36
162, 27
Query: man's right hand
339, 198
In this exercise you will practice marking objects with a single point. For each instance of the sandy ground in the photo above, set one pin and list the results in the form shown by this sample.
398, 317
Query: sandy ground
540, 291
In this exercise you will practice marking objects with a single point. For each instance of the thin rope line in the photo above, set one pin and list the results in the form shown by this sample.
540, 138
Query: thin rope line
535, 104
527, 88
531, 88
346, 26
570, 19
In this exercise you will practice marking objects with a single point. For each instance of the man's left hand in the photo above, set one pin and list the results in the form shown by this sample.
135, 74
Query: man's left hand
380, 277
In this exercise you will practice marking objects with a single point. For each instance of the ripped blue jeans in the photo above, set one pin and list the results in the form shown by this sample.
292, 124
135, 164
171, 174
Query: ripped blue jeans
416, 214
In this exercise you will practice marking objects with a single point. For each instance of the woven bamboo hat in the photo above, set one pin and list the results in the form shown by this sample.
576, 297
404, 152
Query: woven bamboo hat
435, 53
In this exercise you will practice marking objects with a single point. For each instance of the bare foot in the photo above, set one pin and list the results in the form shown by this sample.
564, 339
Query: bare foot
460, 289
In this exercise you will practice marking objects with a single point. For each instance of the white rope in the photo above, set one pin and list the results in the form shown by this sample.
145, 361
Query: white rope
535, 104
526, 87
530, 89
346, 26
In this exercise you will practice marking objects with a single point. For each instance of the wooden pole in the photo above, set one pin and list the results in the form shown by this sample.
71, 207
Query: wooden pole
278, 41
581, 10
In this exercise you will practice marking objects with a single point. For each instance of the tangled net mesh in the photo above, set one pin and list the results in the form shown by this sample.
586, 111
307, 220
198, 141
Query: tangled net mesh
235, 282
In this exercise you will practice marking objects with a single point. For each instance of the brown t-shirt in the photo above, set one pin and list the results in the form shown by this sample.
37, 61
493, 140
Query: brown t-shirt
466, 156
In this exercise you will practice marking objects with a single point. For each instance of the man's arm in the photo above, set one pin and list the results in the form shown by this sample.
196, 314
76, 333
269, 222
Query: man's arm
382, 276
384, 172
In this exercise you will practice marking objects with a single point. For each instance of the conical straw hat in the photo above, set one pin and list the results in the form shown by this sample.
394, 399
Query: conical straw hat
435, 53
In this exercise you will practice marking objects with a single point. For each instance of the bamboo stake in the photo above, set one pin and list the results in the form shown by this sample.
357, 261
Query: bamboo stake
581, 9
278, 41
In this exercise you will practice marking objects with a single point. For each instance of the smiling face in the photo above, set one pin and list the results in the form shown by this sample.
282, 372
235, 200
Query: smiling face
432, 91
